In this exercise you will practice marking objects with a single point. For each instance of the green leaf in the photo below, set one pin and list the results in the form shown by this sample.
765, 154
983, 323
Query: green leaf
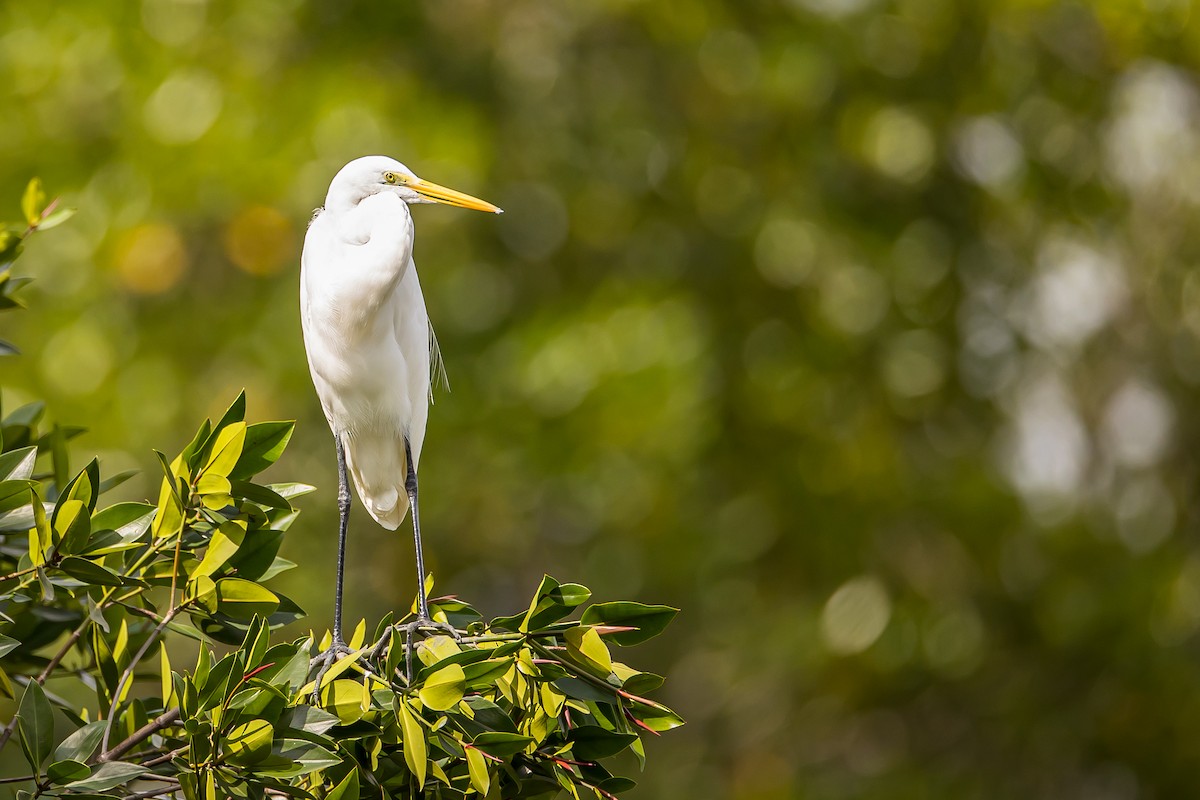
415, 748
344, 698
10, 246
222, 546
486, 673
84, 486
72, 524
7, 645
235, 413
582, 690
648, 619
347, 789
55, 218
35, 725
592, 743
290, 490
18, 464
264, 444
81, 744
642, 682
212, 483
477, 766
444, 688
89, 572
258, 494
658, 719
300, 758
242, 599
66, 771
552, 602
110, 775
250, 742
501, 744
227, 450
130, 520
309, 718
32, 201
586, 647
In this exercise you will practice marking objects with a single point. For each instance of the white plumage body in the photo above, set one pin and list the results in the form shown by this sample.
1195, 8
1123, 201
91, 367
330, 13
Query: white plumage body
367, 335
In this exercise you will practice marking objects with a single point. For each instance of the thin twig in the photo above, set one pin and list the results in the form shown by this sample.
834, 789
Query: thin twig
164, 758
21, 779
166, 719
18, 574
153, 792
50, 667
125, 677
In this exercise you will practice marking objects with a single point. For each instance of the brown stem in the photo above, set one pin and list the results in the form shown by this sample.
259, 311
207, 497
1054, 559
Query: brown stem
164, 758
128, 674
152, 792
166, 719
18, 574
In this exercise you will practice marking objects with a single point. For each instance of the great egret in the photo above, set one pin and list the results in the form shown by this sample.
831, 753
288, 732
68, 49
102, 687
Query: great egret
369, 343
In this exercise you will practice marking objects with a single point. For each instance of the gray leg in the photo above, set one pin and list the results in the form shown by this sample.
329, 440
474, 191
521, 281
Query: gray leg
343, 524
410, 485
423, 622
337, 649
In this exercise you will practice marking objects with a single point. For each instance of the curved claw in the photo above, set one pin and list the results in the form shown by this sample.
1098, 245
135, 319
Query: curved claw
336, 652
426, 625
411, 630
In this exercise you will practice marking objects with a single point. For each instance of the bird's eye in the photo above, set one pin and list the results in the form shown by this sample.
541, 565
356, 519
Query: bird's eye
390, 177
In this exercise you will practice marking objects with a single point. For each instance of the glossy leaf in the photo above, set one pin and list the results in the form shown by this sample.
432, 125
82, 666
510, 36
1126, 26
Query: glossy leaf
61, 772
443, 689
415, 749
650, 620
108, 775
249, 742
81, 744
264, 444
18, 464
89, 571
347, 789
32, 201
478, 770
242, 599
226, 450
35, 725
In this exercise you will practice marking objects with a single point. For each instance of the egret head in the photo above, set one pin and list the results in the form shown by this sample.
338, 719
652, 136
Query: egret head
370, 175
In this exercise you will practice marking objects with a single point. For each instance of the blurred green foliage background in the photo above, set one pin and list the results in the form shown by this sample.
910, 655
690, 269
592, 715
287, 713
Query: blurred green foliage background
862, 330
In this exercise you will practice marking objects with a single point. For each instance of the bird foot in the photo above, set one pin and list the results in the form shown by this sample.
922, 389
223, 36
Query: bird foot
326, 659
419, 628
423, 627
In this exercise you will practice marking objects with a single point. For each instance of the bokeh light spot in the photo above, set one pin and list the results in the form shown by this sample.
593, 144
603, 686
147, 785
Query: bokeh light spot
1137, 424
260, 240
184, 107
914, 364
899, 144
785, 251
854, 298
174, 22
855, 615
150, 258
77, 359
987, 152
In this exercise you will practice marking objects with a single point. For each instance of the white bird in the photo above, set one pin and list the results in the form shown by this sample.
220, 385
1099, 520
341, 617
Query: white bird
369, 346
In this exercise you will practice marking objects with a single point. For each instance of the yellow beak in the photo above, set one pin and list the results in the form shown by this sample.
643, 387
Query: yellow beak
440, 194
